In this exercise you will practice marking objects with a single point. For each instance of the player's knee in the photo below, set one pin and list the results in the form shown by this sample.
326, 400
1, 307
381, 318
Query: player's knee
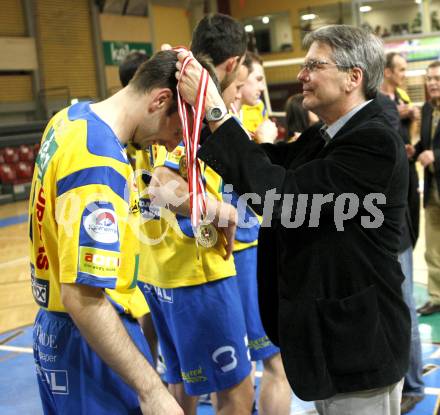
240, 397
273, 366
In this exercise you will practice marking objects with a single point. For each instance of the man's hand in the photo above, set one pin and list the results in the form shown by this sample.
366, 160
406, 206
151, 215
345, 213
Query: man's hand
414, 113
189, 81
404, 110
408, 111
267, 132
426, 158
225, 218
159, 402
410, 150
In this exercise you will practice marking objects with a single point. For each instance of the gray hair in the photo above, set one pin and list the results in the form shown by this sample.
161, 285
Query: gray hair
353, 48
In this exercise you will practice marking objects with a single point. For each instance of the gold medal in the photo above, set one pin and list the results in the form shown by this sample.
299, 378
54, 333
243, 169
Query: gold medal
183, 168
206, 235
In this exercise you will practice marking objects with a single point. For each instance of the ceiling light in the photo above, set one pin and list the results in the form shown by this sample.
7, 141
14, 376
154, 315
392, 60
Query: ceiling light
418, 1
309, 16
365, 9
249, 28
265, 19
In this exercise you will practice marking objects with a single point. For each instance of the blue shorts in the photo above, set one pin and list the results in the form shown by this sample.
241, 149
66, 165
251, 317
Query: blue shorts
260, 346
72, 378
202, 334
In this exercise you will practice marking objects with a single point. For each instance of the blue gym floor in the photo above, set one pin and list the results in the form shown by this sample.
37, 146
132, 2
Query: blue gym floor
19, 391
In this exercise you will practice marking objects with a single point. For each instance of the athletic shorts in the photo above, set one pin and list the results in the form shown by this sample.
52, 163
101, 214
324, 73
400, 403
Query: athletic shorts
202, 334
72, 378
260, 346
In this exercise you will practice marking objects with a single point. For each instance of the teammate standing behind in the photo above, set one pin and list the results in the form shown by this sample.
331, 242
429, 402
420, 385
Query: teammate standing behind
90, 354
275, 391
251, 109
192, 294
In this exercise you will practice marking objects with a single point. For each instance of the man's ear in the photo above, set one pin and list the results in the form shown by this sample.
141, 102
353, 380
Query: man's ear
160, 99
387, 73
355, 78
231, 63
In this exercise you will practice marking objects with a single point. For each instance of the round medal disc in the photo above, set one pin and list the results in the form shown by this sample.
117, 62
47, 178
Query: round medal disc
183, 169
207, 235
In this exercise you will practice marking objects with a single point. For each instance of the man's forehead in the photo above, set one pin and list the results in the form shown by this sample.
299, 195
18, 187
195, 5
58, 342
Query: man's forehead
433, 71
319, 50
399, 60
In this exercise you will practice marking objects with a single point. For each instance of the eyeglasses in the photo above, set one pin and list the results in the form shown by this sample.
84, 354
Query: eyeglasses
313, 65
432, 78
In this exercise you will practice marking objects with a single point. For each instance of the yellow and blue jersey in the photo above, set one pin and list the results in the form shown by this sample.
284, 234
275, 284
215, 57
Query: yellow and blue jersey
253, 115
84, 213
169, 257
249, 222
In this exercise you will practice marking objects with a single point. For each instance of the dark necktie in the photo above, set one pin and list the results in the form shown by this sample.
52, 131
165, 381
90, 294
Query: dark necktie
325, 135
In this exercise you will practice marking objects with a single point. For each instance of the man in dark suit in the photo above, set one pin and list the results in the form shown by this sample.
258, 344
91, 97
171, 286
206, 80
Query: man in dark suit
330, 281
427, 152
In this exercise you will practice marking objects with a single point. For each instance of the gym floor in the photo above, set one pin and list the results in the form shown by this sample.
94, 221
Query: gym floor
18, 385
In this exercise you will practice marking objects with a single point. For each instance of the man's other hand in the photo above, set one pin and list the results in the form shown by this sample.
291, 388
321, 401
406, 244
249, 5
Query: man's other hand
426, 158
267, 132
159, 401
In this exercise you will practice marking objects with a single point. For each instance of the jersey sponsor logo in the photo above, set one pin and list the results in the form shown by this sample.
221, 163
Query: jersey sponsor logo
102, 226
47, 150
149, 211
173, 158
98, 262
58, 380
194, 376
40, 289
42, 261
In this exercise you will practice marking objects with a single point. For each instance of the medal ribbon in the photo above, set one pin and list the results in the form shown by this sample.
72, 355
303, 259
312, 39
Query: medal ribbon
191, 139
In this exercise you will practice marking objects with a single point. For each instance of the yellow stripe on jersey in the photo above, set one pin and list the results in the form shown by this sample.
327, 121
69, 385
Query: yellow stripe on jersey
84, 213
168, 251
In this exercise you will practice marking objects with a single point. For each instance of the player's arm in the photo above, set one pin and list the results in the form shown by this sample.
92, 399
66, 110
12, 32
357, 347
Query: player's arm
102, 328
168, 189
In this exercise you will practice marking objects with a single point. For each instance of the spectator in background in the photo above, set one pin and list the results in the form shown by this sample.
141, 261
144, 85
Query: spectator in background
297, 117
394, 78
129, 65
250, 108
427, 152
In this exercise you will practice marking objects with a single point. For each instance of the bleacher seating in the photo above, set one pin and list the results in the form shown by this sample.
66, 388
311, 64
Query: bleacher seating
19, 145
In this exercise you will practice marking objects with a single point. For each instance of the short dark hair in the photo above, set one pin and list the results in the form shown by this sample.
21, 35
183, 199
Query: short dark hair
220, 37
297, 117
389, 59
434, 64
129, 66
157, 72
253, 58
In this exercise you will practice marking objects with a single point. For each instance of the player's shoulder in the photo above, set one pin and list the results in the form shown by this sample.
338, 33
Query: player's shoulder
100, 140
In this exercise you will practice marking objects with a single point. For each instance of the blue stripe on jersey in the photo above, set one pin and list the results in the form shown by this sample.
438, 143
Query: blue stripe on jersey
101, 140
103, 175
171, 165
87, 279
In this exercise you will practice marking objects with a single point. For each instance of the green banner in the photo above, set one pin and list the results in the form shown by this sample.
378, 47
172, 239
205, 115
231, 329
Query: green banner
115, 52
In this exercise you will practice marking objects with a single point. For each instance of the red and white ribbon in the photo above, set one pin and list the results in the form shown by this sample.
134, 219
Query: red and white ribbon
191, 139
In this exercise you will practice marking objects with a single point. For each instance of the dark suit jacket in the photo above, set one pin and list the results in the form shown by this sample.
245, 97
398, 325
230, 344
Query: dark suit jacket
331, 299
410, 232
425, 144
